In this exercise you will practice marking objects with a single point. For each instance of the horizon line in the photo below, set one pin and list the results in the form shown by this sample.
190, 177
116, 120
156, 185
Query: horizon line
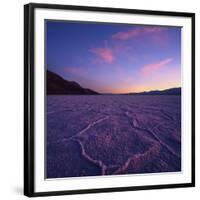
111, 93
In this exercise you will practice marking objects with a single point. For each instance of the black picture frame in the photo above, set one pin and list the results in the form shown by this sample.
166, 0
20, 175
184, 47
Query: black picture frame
29, 128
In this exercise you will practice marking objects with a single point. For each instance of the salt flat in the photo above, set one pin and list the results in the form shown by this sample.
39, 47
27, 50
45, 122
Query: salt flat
90, 135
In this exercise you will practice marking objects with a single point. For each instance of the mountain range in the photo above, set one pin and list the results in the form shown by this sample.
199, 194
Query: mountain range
171, 91
56, 85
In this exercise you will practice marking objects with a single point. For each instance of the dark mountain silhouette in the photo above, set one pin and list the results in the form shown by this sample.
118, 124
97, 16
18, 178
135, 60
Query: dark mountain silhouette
59, 86
171, 91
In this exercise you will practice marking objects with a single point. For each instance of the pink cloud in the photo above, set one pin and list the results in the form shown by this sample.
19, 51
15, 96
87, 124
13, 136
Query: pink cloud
136, 32
153, 29
126, 34
105, 54
153, 67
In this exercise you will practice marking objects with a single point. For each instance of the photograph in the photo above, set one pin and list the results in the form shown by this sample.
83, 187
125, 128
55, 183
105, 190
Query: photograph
109, 99
112, 99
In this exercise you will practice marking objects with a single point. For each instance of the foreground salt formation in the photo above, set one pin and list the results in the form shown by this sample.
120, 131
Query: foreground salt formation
112, 134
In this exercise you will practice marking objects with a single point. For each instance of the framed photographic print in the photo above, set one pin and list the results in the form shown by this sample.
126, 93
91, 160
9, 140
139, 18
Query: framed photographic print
108, 99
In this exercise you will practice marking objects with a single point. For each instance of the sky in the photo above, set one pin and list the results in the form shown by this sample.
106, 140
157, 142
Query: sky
115, 58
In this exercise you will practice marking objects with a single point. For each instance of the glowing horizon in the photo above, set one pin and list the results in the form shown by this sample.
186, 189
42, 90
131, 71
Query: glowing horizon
115, 58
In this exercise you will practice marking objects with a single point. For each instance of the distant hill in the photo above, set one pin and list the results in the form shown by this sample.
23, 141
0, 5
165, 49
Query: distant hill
58, 86
171, 91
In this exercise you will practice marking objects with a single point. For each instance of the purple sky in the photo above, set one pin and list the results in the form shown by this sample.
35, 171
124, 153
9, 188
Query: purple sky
115, 58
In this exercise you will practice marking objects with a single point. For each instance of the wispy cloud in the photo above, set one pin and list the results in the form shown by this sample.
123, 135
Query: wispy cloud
136, 32
107, 54
153, 29
153, 67
126, 34
104, 54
